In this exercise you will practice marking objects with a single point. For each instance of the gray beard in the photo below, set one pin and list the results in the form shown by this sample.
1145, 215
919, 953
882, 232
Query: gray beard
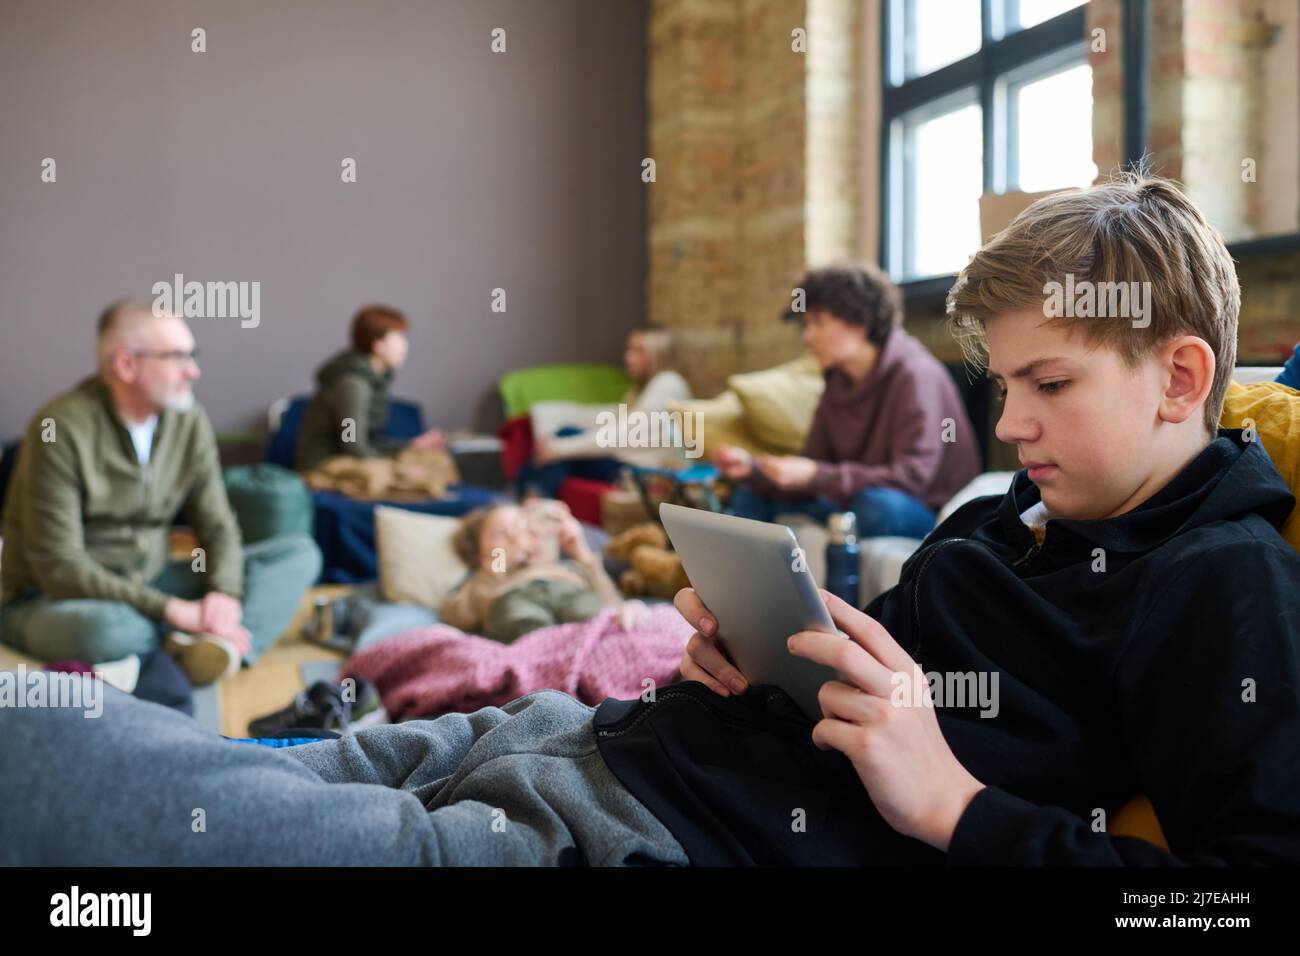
180, 403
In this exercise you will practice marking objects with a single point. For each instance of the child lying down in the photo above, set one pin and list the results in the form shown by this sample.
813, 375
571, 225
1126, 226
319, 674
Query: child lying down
520, 582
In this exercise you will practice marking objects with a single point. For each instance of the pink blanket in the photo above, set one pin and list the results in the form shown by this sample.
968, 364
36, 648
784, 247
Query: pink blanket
439, 669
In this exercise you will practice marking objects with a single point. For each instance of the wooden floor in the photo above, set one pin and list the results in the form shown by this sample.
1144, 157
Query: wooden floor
271, 683
258, 690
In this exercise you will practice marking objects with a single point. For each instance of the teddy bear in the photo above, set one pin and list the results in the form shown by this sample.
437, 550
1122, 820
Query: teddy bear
655, 570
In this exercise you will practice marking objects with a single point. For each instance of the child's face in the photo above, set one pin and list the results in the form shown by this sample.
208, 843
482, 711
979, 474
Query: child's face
636, 358
506, 534
1084, 415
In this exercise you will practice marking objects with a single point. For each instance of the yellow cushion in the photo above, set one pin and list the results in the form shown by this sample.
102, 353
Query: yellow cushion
779, 402
1137, 818
723, 423
1275, 411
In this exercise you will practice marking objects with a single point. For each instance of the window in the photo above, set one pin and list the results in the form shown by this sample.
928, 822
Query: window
980, 96
1030, 13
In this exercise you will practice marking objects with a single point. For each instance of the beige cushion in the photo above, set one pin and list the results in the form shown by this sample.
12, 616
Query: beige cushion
779, 402
416, 562
723, 422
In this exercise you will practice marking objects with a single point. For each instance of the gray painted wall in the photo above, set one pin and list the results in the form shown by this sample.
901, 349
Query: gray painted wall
475, 170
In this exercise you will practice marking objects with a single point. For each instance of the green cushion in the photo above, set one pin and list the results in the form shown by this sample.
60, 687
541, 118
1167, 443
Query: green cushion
589, 383
268, 501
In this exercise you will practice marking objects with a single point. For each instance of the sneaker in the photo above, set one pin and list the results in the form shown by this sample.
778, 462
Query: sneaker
123, 674
203, 657
321, 707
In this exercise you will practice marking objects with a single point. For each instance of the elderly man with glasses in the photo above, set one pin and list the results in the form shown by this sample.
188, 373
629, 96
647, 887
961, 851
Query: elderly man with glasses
103, 471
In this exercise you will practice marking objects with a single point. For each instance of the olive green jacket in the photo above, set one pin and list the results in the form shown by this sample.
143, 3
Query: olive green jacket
85, 520
348, 390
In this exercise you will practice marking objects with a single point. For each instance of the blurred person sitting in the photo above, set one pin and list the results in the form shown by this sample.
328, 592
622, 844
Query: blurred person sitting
574, 451
877, 444
348, 412
103, 471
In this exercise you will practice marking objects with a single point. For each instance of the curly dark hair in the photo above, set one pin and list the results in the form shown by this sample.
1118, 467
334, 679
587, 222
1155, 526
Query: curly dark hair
860, 295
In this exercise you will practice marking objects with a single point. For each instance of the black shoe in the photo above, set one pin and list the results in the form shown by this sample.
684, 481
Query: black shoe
322, 706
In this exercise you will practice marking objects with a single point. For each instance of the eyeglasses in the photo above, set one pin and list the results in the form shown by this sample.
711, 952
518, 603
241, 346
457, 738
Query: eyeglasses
175, 356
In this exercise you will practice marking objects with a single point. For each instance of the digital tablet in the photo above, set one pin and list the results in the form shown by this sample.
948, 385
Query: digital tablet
755, 582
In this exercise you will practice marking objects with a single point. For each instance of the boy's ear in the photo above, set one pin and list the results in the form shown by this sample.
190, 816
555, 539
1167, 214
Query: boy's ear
1189, 364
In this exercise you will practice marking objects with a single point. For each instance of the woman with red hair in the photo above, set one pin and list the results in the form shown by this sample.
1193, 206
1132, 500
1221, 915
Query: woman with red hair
347, 414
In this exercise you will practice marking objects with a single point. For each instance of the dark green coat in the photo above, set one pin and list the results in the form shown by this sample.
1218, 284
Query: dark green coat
351, 402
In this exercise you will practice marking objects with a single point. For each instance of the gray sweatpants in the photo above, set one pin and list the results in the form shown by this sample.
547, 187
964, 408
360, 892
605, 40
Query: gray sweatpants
145, 785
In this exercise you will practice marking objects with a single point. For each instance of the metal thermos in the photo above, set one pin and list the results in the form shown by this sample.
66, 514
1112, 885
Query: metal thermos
842, 560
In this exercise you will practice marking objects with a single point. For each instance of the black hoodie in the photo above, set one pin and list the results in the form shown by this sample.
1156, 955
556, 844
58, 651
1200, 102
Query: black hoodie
1153, 653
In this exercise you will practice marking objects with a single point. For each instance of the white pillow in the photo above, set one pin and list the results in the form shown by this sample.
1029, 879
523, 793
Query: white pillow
549, 417
416, 562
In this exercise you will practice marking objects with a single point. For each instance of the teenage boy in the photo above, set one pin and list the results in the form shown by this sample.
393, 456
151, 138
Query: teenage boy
1129, 593
1124, 619
890, 439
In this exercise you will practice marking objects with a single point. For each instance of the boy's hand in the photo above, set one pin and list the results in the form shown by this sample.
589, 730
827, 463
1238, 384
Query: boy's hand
735, 464
704, 659
787, 472
898, 750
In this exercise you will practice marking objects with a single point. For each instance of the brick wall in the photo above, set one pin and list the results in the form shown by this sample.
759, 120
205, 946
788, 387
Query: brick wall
758, 169
1223, 89
767, 158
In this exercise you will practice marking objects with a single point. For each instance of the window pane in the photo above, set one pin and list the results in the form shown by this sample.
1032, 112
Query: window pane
1054, 134
945, 176
1036, 11
939, 32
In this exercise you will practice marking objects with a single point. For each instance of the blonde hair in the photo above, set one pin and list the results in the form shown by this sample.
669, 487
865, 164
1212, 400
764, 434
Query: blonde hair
658, 344
1134, 228
465, 540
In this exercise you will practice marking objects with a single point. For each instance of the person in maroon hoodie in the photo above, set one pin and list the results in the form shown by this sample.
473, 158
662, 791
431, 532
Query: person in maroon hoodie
890, 440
